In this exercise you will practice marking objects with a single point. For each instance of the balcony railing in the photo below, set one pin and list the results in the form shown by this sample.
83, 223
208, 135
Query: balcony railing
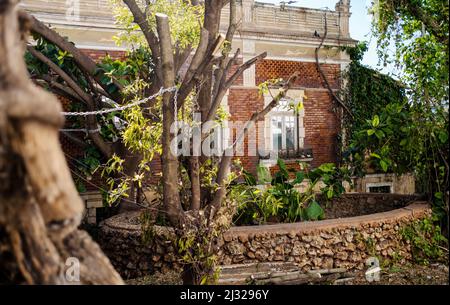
301, 154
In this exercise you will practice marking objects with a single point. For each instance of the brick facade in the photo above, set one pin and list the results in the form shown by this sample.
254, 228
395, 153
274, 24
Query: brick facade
321, 126
320, 121
242, 104
309, 76
97, 55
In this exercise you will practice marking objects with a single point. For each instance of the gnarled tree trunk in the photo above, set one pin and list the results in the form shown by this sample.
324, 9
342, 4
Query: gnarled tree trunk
40, 209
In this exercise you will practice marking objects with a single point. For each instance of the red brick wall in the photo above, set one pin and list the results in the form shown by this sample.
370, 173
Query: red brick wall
321, 126
309, 76
240, 79
242, 104
97, 55
320, 121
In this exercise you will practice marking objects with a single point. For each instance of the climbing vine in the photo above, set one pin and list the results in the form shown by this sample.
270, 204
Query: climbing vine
403, 127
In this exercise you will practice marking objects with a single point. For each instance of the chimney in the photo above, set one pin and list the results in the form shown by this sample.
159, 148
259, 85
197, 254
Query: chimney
343, 8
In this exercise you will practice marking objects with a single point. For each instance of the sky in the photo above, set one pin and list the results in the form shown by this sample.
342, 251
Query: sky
360, 24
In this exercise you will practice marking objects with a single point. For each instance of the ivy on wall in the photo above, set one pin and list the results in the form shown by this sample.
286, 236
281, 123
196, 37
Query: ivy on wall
367, 92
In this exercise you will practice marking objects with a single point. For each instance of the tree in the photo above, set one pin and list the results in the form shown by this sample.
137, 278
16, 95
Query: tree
413, 135
40, 209
200, 218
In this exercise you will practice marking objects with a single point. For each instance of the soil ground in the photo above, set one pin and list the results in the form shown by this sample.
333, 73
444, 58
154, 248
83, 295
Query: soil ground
432, 274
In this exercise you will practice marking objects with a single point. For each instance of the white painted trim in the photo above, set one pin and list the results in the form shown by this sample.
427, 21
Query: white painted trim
297, 41
54, 20
100, 48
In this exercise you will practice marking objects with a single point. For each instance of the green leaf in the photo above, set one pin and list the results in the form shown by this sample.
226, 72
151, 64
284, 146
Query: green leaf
330, 193
314, 211
281, 164
370, 132
263, 174
438, 195
299, 177
379, 134
376, 121
384, 165
375, 155
249, 178
327, 167
443, 136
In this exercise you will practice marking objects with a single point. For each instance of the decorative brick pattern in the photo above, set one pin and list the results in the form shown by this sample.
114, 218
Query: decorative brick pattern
309, 76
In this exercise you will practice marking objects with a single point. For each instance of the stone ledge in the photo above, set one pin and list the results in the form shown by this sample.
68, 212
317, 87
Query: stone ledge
334, 243
414, 209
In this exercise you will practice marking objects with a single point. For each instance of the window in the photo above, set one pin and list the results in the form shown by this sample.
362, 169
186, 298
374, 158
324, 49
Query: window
284, 133
287, 132
380, 187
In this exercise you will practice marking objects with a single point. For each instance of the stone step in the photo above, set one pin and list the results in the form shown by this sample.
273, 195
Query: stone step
257, 267
239, 274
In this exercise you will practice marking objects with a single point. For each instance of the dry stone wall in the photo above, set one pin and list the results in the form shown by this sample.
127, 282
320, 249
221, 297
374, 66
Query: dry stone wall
334, 243
341, 242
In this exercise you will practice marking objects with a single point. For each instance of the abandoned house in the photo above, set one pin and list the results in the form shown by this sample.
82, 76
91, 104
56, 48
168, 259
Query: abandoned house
290, 36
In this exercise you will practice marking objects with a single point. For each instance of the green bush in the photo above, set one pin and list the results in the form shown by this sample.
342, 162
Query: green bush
427, 242
281, 202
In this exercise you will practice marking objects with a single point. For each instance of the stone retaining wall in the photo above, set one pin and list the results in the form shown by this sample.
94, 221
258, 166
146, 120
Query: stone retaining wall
341, 242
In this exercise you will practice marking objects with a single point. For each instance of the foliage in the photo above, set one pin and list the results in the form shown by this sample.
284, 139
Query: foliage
382, 142
410, 133
281, 201
184, 20
193, 250
367, 92
136, 65
129, 127
426, 240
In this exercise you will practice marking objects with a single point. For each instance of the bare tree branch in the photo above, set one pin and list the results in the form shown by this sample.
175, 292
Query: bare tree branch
91, 120
229, 82
224, 167
82, 60
87, 98
140, 18
170, 161
322, 74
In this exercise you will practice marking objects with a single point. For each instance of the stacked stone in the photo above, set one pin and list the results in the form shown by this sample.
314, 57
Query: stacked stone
334, 243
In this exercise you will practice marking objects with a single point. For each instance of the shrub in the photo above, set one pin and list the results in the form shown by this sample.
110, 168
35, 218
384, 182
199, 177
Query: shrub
282, 202
426, 240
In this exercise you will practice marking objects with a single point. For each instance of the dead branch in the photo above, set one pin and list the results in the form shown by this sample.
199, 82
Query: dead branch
322, 74
83, 61
40, 209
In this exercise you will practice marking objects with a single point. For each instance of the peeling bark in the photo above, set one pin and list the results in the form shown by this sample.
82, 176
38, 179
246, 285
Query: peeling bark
40, 209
